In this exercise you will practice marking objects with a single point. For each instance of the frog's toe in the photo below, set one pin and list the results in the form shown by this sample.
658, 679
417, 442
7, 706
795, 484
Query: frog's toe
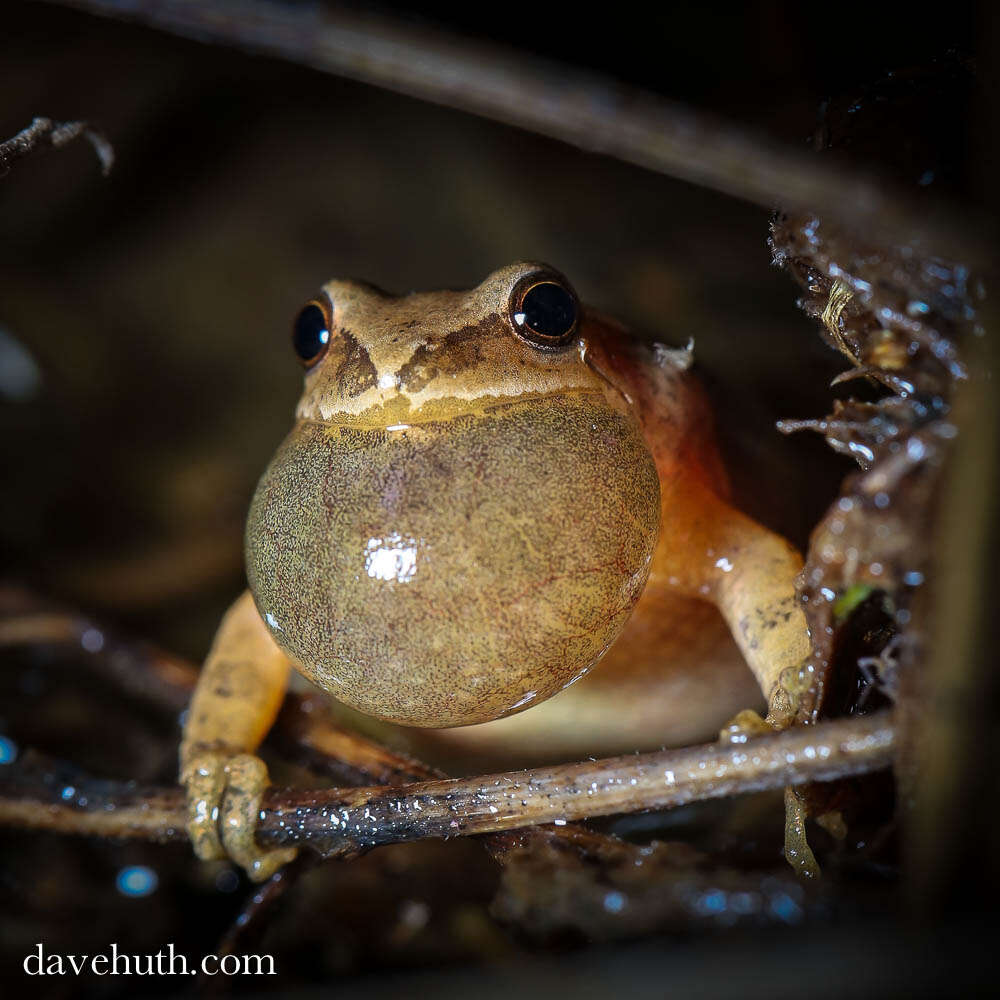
798, 853
744, 726
204, 781
224, 792
786, 698
247, 780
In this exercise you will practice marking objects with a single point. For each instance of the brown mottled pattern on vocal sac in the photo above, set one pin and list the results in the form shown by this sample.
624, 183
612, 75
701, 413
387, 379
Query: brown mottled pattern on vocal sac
455, 571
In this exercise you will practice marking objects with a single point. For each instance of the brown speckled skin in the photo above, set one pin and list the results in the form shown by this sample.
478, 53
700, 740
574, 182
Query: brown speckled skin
460, 524
516, 541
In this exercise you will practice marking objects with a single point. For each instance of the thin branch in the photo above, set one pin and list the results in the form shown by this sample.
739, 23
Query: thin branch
342, 822
39, 793
164, 682
138, 669
303, 732
578, 107
44, 133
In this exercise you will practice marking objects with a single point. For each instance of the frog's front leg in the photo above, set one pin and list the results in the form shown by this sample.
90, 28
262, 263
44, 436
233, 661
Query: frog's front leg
707, 548
749, 573
757, 597
754, 588
235, 703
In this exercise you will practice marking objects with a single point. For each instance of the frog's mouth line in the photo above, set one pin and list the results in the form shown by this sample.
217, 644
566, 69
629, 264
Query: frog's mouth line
596, 343
398, 417
592, 363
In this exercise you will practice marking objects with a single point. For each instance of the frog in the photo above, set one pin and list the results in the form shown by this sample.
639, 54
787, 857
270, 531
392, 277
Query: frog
485, 495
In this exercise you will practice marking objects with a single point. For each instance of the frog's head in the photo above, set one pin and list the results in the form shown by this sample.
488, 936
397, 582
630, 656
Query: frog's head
378, 360
463, 517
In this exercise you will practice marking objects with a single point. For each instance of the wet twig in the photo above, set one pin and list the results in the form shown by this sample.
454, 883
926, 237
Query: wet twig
342, 822
43, 133
42, 794
579, 107
304, 731
337, 822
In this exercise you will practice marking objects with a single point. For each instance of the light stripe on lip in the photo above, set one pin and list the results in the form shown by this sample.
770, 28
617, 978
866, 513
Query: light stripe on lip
436, 410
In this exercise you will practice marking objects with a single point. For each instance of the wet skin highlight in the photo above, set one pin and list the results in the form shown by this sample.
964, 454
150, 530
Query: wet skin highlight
467, 515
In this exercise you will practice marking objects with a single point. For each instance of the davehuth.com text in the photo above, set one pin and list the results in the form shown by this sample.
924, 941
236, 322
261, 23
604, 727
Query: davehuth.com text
165, 962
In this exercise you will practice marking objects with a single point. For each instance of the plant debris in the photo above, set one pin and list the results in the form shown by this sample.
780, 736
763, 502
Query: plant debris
902, 317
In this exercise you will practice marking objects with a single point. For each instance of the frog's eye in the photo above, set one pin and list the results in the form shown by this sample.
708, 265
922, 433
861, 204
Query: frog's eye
544, 311
311, 332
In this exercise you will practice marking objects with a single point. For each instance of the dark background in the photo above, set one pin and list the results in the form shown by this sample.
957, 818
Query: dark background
156, 303
154, 306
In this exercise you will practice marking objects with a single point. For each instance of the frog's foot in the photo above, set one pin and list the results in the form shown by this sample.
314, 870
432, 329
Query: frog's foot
745, 726
224, 792
783, 705
798, 853
793, 686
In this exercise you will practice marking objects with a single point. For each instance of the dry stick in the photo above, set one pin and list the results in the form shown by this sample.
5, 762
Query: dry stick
43, 133
138, 669
165, 682
585, 109
341, 822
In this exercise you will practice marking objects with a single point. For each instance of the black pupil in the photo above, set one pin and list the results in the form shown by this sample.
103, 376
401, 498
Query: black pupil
549, 310
310, 334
